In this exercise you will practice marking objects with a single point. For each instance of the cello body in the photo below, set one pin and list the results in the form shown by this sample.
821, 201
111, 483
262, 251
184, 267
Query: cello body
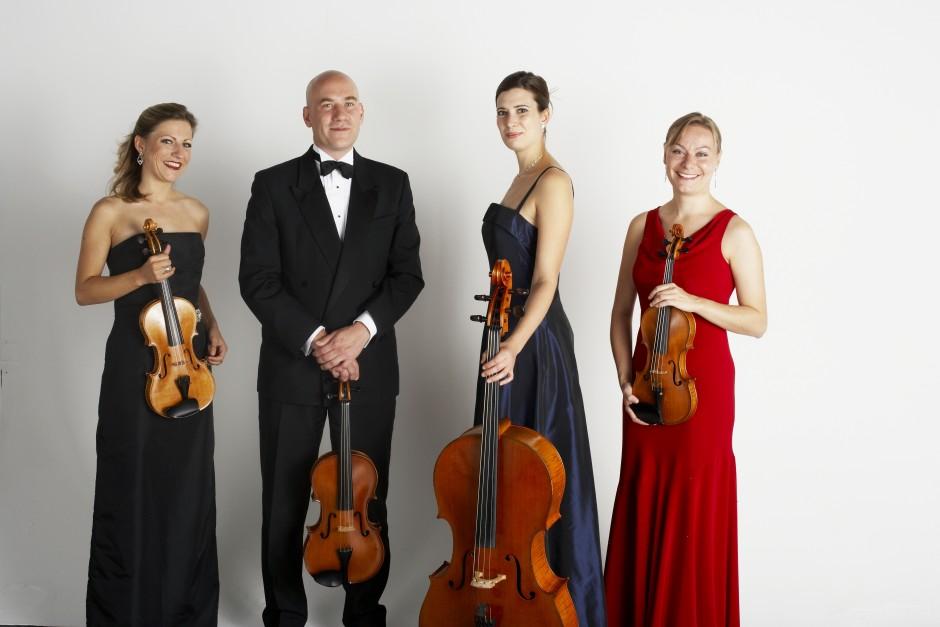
528, 497
499, 486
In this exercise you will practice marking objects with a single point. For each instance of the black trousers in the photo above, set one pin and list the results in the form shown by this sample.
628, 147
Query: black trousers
290, 441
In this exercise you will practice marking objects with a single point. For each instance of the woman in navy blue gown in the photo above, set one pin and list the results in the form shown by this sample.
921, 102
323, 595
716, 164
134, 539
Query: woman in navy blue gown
536, 362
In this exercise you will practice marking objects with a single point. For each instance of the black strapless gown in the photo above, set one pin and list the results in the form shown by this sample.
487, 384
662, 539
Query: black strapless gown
153, 550
545, 396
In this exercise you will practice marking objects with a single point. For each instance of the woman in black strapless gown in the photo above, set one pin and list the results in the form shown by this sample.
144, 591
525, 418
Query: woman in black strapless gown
153, 551
536, 362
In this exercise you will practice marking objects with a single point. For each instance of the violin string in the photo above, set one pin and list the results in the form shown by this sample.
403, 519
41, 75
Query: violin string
494, 460
478, 530
491, 437
485, 459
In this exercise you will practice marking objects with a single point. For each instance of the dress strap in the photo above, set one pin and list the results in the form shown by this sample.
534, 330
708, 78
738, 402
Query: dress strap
536, 182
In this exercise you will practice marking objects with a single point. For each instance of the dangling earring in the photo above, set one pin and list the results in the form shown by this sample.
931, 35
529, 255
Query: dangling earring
715, 180
140, 158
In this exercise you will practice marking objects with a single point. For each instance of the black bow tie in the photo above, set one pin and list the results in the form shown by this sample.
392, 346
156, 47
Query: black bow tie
344, 168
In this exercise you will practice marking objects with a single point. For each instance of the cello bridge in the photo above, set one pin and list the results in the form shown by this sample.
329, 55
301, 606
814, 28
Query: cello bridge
479, 581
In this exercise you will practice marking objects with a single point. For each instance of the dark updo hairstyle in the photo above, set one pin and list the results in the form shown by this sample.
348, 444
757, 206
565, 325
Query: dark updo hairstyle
126, 182
532, 83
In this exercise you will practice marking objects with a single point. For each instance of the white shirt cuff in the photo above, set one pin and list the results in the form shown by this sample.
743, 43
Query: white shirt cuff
366, 318
308, 345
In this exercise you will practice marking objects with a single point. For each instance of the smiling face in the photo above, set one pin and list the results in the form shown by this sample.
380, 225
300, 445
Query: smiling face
166, 150
519, 120
334, 112
692, 160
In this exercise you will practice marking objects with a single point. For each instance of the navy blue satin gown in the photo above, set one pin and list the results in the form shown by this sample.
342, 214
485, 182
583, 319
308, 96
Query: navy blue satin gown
545, 396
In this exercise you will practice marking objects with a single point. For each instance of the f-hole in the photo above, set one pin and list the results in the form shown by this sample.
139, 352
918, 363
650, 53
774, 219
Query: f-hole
675, 374
463, 573
529, 596
329, 526
362, 528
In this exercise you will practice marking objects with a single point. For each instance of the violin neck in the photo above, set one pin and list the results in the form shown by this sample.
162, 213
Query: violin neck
489, 453
664, 314
344, 474
174, 335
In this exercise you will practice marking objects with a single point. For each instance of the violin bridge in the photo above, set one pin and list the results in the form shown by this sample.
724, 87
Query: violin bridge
485, 584
344, 526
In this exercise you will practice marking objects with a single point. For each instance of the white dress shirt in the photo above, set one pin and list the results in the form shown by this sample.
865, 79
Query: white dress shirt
337, 189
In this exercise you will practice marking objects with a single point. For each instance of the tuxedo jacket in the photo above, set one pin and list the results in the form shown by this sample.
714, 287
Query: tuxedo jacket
296, 274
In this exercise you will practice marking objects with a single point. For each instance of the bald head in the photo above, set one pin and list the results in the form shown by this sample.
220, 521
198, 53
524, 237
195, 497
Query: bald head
317, 83
334, 112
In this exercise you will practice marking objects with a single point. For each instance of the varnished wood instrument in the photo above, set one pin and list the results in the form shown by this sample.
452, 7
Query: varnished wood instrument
499, 486
344, 545
667, 394
181, 384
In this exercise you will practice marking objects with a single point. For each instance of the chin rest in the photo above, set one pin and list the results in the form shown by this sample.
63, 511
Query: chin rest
647, 413
187, 407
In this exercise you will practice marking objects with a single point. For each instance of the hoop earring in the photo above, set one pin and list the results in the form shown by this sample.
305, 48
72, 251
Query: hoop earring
140, 158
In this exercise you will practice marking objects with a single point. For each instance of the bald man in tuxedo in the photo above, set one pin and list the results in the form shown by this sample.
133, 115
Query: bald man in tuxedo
329, 263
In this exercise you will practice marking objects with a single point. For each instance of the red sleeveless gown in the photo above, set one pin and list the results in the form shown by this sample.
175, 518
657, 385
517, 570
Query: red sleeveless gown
672, 556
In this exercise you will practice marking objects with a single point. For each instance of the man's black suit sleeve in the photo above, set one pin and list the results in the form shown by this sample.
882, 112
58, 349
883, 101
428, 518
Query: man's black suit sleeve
260, 276
403, 281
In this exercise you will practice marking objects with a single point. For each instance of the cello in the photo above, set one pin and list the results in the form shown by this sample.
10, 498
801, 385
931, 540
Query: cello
499, 486
343, 545
181, 384
666, 392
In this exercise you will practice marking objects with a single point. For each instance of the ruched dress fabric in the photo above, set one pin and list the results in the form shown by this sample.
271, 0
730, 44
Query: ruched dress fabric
545, 396
672, 555
153, 548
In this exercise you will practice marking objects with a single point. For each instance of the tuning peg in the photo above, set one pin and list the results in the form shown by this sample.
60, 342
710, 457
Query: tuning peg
478, 318
518, 311
159, 231
666, 242
141, 239
145, 251
683, 250
662, 253
520, 291
687, 240
485, 297
331, 396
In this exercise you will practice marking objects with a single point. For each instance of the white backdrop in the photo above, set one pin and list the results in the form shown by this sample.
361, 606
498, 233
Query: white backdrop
829, 115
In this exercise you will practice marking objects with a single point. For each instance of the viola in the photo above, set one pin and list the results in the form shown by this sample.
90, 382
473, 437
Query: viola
181, 383
344, 545
667, 394
499, 486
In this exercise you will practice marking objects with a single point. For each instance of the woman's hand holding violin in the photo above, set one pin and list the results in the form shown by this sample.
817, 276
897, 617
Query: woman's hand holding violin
156, 268
630, 399
671, 295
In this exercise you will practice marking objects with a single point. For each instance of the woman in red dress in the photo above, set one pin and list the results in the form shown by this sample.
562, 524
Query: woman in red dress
672, 555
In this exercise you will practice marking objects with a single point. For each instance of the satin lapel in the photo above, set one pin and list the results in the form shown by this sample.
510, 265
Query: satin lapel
315, 209
362, 200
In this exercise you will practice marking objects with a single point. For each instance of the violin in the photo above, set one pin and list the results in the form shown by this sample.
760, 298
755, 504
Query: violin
181, 384
666, 392
499, 486
344, 545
